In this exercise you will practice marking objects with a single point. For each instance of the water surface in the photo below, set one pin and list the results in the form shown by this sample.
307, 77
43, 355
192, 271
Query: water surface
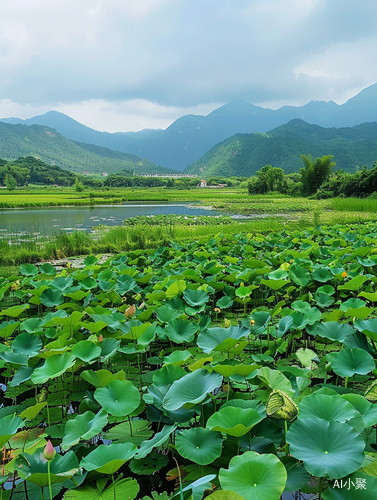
47, 220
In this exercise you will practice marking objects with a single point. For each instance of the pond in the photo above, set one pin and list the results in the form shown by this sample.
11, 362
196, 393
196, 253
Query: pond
47, 220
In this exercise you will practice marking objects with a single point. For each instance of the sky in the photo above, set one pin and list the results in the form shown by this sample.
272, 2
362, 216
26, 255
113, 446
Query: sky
126, 65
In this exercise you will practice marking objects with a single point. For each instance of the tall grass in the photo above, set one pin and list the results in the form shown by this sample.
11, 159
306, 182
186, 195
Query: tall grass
354, 205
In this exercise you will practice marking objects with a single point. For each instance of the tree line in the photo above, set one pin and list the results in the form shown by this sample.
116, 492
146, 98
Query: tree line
315, 179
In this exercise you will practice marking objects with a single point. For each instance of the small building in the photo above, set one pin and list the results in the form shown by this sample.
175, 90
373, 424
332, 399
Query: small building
202, 184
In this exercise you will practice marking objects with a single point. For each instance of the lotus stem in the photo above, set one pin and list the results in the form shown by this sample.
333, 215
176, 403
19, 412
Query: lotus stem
285, 437
320, 488
49, 479
115, 495
346, 382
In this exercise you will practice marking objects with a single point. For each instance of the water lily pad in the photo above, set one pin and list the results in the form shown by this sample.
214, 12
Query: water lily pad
331, 449
119, 397
107, 459
234, 421
199, 445
349, 362
254, 476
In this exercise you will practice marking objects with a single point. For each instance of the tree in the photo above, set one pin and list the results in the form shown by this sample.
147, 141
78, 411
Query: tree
10, 182
315, 173
79, 188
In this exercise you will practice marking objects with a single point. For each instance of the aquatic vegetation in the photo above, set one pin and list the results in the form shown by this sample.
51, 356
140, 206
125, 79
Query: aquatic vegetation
231, 366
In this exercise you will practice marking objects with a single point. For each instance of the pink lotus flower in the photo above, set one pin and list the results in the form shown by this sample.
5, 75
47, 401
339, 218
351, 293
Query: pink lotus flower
49, 451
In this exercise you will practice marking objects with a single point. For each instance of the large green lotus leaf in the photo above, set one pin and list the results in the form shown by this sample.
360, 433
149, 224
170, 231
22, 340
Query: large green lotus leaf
168, 374
247, 403
22, 374
166, 314
119, 397
29, 270
323, 274
62, 283
323, 300
192, 388
73, 321
331, 449
15, 358
14, 311
284, 325
354, 284
8, 427
28, 344
274, 284
299, 275
279, 274
212, 337
121, 490
7, 328
352, 304
254, 476
32, 411
368, 327
53, 367
47, 269
84, 426
234, 421
199, 445
158, 439
333, 330
180, 330
195, 298
349, 362
52, 297
177, 357
224, 302
34, 468
275, 380
366, 409
328, 407
101, 378
107, 459
86, 351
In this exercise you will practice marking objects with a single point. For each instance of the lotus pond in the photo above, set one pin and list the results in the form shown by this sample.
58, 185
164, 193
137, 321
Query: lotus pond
232, 367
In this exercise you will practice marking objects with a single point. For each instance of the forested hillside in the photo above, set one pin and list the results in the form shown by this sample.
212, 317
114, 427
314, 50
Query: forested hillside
245, 154
55, 149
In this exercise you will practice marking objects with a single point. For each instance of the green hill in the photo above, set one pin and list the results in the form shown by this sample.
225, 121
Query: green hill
244, 154
55, 149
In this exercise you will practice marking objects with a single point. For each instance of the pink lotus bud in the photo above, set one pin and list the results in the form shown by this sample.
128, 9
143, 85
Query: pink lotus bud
49, 451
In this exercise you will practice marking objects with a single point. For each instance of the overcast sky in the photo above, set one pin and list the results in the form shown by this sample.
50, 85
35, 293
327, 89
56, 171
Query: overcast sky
121, 65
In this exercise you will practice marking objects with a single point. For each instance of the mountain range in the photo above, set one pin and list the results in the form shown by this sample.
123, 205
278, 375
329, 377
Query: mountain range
53, 148
245, 154
187, 139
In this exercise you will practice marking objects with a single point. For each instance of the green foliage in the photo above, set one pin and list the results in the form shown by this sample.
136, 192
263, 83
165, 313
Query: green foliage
315, 172
10, 182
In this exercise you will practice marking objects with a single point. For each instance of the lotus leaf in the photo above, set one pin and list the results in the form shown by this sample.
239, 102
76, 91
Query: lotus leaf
8, 427
84, 427
119, 397
86, 351
101, 378
234, 421
107, 459
333, 330
192, 388
53, 367
180, 330
326, 406
209, 339
349, 362
254, 476
199, 445
330, 449
27, 344
158, 439
366, 409
34, 468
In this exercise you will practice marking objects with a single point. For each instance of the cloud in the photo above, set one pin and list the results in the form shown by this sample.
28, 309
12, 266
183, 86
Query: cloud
180, 55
